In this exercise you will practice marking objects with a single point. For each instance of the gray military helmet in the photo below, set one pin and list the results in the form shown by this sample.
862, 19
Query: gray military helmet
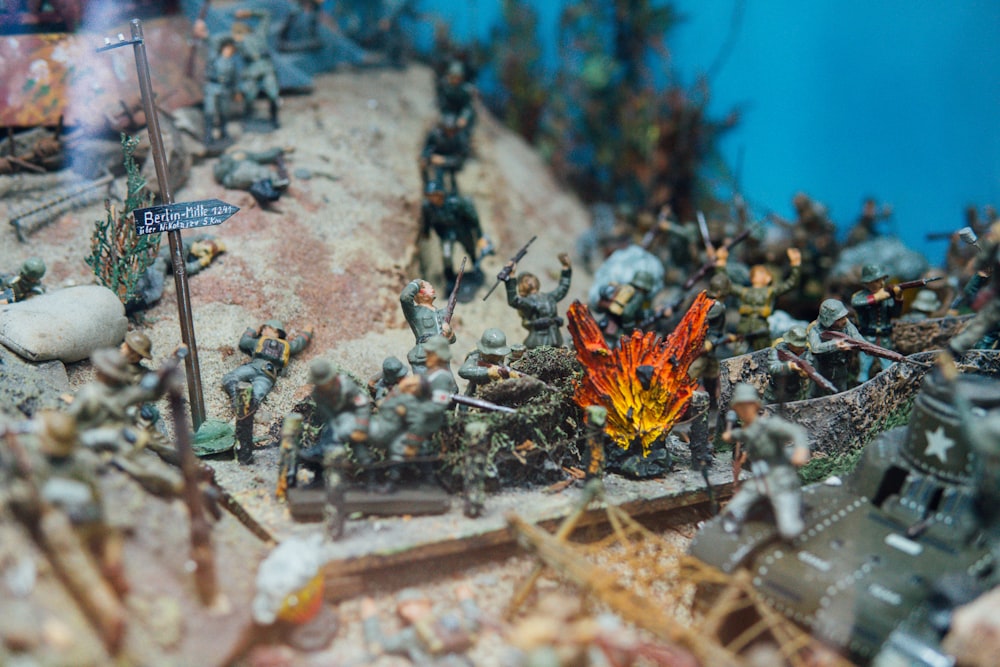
718, 286
796, 337
278, 325
830, 311
33, 268
439, 345
321, 371
745, 393
493, 342
926, 302
392, 370
644, 280
873, 272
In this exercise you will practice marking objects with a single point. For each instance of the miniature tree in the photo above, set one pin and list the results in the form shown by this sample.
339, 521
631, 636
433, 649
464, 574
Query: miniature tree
118, 255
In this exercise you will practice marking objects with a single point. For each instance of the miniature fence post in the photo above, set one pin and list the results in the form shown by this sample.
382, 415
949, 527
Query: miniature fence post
245, 411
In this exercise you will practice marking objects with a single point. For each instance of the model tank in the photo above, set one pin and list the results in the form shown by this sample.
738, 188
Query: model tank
878, 543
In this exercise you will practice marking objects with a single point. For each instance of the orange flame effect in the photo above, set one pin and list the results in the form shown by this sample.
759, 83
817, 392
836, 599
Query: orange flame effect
643, 383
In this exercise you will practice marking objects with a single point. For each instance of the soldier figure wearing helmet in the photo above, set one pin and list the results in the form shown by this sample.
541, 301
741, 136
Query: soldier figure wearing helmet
454, 219
270, 351
706, 366
134, 349
923, 307
438, 372
539, 310
876, 305
487, 363
26, 284
774, 478
624, 307
835, 360
455, 96
445, 151
757, 300
385, 380
787, 380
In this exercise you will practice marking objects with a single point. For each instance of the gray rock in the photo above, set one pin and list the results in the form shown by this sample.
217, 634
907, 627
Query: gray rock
66, 324
899, 260
620, 268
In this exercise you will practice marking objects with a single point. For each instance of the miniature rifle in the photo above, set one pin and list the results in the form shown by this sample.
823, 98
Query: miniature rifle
654, 231
807, 368
705, 237
474, 402
920, 282
453, 297
707, 266
505, 272
506, 373
872, 349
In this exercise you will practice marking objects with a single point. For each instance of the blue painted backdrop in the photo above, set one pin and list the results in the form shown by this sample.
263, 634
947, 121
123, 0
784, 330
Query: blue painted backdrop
843, 98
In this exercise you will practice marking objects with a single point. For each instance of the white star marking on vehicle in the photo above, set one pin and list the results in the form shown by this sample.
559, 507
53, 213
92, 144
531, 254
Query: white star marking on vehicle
938, 444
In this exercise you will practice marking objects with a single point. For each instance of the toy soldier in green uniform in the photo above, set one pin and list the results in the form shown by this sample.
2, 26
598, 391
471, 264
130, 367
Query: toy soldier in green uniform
407, 419
455, 96
417, 302
270, 351
444, 153
454, 219
438, 371
344, 409
26, 284
876, 306
219, 89
539, 310
385, 380
424, 639
244, 170
757, 300
835, 360
485, 364
774, 478
788, 381
257, 74
987, 318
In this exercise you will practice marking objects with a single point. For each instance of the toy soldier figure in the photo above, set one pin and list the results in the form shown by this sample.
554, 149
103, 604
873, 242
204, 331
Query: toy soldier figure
987, 318
134, 349
407, 419
866, 227
706, 366
345, 411
455, 96
384, 381
835, 360
424, 639
417, 302
445, 152
454, 219
26, 284
774, 477
486, 363
539, 310
270, 351
757, 300
109, 399
221, 85
625, 306
199, 252
438, 371
876, 306
243, 170
789, 381
923, 307
258, 73
417, 359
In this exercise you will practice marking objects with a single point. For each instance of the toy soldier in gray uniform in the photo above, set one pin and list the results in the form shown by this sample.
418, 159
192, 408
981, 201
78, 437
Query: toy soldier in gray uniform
134, 349
774, 476
876, 306
438, 371
706, 366
486, 363
445, 152
454, 219
219, 88
26, 284
344, 408
407, 419
258, 73
385, 380
923, 307
243, 170
788, 381
539, 310
455, 96
417, 302
424, 639
270, 351
835, 360
988, 317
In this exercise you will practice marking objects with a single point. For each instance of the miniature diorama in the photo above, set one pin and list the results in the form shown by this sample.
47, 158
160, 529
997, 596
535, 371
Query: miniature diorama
692, 431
